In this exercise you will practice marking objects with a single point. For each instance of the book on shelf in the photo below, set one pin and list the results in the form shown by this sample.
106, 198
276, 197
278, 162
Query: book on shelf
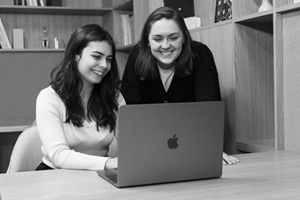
18, 38
2, 41
34, 2
192, 22
21, 2
42, 3
4, 38
30, 2
54, 3
131, 22
126, 30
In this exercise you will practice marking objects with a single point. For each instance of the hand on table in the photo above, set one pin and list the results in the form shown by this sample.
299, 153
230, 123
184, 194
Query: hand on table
229, 160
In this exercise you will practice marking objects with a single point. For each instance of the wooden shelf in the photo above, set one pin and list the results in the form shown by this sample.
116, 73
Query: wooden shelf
288, 8
212, 26
59, 21
128, 5
53, 10
264, 17
31, 50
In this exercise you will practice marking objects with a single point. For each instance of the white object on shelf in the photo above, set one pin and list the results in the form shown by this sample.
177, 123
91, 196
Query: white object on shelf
18, 38
56, 44
265, 5
192, 22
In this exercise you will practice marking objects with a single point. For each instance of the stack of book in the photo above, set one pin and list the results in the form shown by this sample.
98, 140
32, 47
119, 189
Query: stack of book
4, 41
38, 2
127, 29
30, 2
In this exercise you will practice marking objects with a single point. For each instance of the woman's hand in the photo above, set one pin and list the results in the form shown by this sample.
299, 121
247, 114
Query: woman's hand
229, 160
111, 164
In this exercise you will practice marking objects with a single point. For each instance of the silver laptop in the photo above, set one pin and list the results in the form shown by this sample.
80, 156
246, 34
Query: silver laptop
163, 143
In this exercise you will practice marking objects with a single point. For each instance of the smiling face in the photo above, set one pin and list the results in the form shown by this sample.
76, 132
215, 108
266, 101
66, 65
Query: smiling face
94, 62
165, 41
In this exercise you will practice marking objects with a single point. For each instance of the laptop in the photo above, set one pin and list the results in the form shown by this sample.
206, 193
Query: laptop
163, 143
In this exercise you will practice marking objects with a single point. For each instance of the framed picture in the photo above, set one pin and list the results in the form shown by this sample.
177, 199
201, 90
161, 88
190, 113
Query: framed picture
185, 8
223, 10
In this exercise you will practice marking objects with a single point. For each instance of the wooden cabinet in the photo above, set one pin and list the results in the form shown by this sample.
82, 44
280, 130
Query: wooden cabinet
257, 56
60, 22
286, 76
121, 7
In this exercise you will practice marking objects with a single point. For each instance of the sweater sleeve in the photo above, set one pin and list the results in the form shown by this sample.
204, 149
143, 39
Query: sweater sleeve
205, 74
131, 86
50, 115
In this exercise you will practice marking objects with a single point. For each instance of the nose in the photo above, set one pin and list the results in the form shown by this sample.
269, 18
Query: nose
165, 44
103, 63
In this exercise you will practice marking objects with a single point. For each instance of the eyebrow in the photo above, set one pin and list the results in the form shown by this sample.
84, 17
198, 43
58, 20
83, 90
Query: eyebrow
172, 34
102, 54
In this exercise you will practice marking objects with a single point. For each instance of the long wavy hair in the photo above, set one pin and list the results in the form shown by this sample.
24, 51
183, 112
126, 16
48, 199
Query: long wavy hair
66, 81
146, 64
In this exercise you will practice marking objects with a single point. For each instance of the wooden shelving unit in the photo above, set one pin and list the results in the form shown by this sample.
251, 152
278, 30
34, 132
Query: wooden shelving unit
59, 21
259, 72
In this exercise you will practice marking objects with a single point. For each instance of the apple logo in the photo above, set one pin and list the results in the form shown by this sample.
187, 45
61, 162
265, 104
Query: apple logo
173, 142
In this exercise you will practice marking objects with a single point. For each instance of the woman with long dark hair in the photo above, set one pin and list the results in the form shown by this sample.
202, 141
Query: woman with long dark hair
76, 114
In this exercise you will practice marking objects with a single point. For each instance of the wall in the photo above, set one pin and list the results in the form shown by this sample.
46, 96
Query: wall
291, 83
23, 75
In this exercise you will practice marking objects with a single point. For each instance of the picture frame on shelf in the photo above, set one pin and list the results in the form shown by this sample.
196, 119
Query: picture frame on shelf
185, 8
223, 10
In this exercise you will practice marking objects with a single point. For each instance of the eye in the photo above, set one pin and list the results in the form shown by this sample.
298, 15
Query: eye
109, 60
173, 38
157, 39
97, 57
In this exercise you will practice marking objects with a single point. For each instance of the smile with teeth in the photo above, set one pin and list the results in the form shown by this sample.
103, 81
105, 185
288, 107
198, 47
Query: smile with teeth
166, 53
98, 72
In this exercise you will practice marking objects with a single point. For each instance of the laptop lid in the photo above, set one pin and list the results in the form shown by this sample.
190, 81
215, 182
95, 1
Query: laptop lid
160, 143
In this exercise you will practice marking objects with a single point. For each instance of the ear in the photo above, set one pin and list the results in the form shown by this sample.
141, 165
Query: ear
77, 58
